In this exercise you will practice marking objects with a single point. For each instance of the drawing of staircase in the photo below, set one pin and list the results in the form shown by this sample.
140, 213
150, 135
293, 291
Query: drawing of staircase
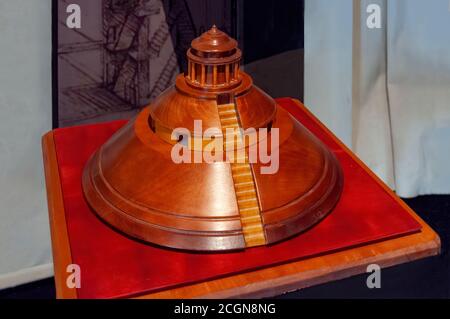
159, 38
165, 77
124, 85
131, 47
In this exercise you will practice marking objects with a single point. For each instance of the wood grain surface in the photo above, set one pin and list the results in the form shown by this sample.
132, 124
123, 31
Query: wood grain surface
60, 239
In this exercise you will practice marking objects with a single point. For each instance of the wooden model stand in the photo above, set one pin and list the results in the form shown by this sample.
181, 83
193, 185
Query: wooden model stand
267, 282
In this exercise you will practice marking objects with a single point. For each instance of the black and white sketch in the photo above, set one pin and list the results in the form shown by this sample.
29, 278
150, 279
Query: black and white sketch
126, 52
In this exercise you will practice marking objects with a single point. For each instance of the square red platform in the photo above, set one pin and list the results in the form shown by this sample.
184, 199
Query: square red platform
370, 224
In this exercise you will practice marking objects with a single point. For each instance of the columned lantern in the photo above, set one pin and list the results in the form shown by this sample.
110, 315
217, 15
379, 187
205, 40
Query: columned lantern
213, 163
213, 61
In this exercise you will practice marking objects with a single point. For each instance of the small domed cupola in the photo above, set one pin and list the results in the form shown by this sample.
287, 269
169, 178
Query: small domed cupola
213, 61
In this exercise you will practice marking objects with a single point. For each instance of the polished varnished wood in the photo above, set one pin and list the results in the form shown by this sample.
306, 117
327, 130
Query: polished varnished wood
243, 180
133, 183
213, 61
265, 282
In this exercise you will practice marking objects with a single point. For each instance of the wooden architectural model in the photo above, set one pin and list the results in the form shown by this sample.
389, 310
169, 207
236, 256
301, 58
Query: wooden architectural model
133, 183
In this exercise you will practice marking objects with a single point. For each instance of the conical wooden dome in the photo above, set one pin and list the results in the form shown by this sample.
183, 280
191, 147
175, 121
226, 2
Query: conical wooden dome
133, 183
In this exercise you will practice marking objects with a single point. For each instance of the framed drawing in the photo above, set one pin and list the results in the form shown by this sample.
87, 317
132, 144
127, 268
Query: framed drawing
112, 57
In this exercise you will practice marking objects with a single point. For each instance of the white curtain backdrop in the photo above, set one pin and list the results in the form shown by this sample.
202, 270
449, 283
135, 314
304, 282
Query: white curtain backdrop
385, 92
25, 114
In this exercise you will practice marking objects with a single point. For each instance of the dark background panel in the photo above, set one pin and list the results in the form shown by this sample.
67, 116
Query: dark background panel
272, 36
271, 27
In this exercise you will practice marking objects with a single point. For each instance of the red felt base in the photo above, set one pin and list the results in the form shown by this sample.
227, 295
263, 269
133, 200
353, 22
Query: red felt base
114, 265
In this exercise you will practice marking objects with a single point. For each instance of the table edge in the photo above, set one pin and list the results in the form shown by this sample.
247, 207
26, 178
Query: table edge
58, 228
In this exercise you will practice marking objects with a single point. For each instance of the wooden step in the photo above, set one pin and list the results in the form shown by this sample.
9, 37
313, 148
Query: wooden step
240, 168
248, 203
246, 194
228, 126
224, 113
226, 107
227, 116
234, 144
254, 239
233, 136
250, 219
253, 229
244, 186
243, 177
249, 211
